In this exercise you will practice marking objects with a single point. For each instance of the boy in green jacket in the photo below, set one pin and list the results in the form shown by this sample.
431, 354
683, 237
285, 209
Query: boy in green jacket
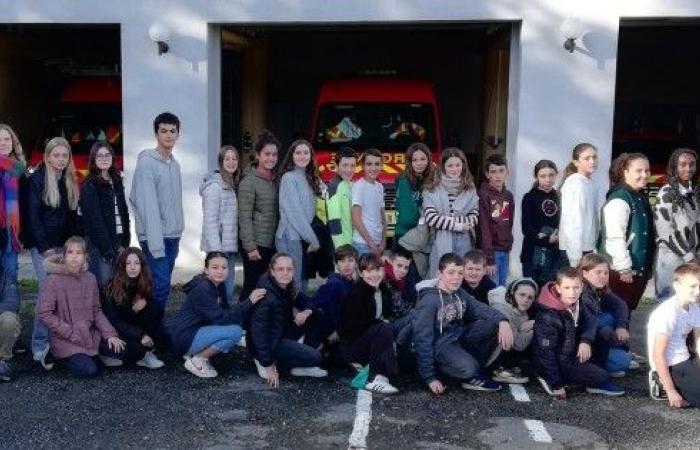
339, 201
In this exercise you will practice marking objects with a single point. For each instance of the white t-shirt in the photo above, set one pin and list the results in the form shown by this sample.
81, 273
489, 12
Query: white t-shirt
370, 197
676, 323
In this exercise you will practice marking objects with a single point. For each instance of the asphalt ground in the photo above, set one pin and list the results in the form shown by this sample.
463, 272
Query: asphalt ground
132, 407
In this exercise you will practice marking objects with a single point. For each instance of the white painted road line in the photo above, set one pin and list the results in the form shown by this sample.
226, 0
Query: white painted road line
538, 432
519, 393
363, 416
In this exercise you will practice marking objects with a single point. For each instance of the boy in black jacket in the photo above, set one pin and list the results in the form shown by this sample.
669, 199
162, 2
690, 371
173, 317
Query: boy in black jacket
554, 348
365, 336
454, 333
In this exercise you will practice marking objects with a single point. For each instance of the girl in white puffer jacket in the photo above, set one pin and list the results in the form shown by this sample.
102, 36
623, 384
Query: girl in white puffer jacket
220, 208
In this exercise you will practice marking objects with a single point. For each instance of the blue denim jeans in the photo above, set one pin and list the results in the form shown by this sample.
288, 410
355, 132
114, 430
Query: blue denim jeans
290, 354
665, 263
220, 337
230, 282
40, 334
101, 268
502, 260
162, 271
361, 248
81, 365
619, 358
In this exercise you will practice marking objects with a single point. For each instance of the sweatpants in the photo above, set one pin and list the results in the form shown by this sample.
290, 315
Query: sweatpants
463, 358
81, 365
632, 292
587, 374
290, 354
686, 378
374, 347
253, 270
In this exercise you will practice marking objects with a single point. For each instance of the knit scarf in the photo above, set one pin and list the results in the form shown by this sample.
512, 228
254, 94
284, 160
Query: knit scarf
10, 171
453, 186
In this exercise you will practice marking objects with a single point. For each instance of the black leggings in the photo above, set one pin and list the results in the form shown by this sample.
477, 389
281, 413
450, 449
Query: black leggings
686, 378
376, 347
253, 270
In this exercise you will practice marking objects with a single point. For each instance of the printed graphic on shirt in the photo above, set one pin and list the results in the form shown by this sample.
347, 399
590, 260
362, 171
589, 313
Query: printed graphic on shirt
451, 311
501, 210
549, 207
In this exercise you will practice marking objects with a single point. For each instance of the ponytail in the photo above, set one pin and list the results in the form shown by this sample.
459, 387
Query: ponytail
575, 155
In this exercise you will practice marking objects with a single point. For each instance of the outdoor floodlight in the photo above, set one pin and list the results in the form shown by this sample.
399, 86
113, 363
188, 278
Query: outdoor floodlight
572, 29
160, 34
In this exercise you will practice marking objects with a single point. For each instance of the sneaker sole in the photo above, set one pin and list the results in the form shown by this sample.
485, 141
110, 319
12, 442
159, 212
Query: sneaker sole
147, 366
620, 374
603, 392
194, 372
308, 375
380, 392
471, 387
545, 386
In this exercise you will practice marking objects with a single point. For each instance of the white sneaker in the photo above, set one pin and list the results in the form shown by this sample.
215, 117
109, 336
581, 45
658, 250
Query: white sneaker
313, 372
200, 367
44, 358
241, 342
151, 361
381, 385
262, 373
634, 365
111, 362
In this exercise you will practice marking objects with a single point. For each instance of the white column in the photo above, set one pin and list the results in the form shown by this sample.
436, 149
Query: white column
559, 99
181, 82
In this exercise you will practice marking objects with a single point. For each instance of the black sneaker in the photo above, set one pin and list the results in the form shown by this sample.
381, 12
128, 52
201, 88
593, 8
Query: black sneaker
480, 382
656, 390
5, 371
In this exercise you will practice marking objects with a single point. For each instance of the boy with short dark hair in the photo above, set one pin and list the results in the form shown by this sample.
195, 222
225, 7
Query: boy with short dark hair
455, 334
400, 283
557, 357
337, 285
368, 218
496, 210
339, 201
670, 324
476, 283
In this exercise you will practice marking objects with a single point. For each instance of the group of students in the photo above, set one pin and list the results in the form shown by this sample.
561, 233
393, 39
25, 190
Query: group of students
585, 264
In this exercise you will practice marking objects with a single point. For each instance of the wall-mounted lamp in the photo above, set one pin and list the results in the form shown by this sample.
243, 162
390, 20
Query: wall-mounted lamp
572, 29
160, 34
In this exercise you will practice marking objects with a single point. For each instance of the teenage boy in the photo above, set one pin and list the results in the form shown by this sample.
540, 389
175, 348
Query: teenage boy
339, 203
669, 326
337, 286
496, 210
476, 283
455, 334
557, 358
156, 200
400, 283
368, 206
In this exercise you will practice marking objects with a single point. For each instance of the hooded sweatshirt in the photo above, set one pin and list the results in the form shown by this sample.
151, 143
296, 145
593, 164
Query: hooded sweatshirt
496, 212
328, 298
540, 209
554, 337
438, 320
69, 306
220, 208
516, 318
156, 200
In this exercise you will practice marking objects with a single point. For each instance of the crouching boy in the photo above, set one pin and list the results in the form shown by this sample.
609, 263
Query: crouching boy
401, 287
557, 358
454, 334
667, 339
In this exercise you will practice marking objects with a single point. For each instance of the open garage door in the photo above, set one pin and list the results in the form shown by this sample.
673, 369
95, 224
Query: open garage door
657, 101
62, 80
368, 86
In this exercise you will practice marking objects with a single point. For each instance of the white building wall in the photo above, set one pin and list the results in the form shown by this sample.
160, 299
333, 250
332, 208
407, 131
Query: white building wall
557, 99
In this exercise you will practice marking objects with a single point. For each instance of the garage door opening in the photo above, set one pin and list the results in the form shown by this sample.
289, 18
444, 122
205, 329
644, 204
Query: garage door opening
657, 101
368, 86
62, 80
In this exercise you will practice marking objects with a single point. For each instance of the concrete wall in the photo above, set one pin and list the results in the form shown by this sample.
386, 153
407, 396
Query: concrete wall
557, 98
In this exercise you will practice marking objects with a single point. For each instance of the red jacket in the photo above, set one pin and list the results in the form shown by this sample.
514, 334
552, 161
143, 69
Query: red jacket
69, 305
496, 211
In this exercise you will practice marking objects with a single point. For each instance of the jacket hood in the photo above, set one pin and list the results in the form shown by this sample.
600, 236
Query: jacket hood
550, 299
193, 283
153, 153
54, 265
211, 178
333, 276
430, 283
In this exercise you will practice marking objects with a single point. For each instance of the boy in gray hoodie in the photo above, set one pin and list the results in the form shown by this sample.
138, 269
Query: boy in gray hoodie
454, 333
156, 200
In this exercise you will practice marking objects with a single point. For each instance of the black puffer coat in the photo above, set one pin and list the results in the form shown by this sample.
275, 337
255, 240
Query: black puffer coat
97, 206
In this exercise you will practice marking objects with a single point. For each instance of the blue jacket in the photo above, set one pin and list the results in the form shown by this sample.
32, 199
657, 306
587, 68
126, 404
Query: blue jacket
435, 325
272, 319
329, 296
205, 305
